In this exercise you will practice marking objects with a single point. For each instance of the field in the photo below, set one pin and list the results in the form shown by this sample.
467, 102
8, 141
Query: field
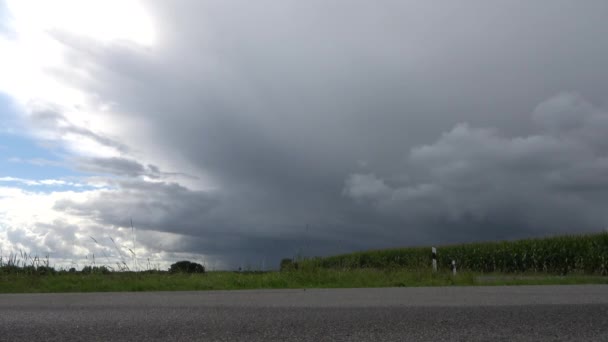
557, 260
580, 254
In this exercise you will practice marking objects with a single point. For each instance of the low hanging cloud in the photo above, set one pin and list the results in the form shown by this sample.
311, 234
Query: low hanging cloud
155, 206
117, 166
553, 181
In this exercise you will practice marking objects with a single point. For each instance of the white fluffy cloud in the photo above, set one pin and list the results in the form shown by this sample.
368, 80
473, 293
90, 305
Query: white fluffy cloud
32, 224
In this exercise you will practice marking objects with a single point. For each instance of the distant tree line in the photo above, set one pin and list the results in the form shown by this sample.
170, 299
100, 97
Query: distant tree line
14, 268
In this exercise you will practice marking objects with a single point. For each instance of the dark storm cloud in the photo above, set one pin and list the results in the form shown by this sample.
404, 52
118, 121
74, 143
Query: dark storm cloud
209, 225
553, 181
156, 206
364, 120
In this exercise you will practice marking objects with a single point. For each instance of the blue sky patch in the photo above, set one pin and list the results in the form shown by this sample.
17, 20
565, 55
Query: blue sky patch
3, 18
24, 163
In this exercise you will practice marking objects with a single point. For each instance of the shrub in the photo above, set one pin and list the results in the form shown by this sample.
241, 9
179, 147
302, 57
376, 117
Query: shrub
96, 269
186, 267
45, 270
288, 264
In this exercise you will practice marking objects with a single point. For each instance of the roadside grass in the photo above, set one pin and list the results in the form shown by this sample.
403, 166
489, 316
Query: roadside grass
317, 278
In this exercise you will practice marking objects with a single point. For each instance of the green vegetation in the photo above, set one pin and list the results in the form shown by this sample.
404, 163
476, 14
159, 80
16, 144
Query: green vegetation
582, 254
186, 267
288, 265
320, 278
560, 260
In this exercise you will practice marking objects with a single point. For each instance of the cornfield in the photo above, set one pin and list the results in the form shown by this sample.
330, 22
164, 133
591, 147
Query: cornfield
586, 254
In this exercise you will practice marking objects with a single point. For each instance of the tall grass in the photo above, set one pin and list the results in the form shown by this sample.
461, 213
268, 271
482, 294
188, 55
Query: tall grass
22, 262
25, 263
583, 254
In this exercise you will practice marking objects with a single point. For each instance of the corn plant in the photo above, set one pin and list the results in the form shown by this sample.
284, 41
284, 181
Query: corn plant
584, 254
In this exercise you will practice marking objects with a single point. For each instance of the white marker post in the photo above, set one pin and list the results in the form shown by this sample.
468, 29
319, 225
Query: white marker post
434, 254
454, 267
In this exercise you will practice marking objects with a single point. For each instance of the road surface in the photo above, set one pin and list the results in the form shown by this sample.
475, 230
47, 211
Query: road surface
519, 313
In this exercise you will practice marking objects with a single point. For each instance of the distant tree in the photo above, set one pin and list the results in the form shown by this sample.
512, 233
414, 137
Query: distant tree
186, 267
287, 264
28, 270
44, 270
95, 269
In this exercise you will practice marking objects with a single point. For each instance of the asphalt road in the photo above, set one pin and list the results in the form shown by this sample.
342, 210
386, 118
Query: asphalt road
523, 313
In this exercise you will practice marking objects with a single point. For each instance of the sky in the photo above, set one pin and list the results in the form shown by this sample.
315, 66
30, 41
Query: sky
237, 133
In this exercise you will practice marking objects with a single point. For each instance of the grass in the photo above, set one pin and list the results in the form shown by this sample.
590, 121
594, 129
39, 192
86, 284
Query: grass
318, 278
